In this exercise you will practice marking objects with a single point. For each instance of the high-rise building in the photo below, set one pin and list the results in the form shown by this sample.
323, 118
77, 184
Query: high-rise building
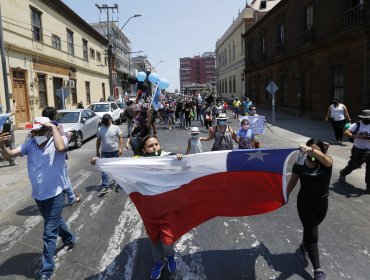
198, 73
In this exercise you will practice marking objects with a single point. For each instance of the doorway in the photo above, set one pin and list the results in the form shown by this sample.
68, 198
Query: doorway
58, 102
20, 96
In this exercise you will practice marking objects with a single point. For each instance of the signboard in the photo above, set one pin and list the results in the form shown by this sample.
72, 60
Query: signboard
272, 88
256, 123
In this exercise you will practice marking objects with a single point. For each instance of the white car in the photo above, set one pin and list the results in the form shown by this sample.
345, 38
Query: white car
111, 108
82, 123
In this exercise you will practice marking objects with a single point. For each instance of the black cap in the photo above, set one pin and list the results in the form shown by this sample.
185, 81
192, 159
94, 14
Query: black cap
107, 117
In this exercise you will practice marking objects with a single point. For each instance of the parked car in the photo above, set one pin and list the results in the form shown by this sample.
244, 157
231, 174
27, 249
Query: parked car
111, 108
122, 106
82, 123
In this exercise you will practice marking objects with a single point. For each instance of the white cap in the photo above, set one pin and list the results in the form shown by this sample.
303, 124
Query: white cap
194, 130
37, 123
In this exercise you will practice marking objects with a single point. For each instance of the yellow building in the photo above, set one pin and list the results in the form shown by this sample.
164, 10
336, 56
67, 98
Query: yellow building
49, 47
230, 50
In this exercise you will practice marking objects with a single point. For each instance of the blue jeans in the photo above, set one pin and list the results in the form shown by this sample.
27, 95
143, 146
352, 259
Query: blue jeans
104, 177
54, 226
69, 190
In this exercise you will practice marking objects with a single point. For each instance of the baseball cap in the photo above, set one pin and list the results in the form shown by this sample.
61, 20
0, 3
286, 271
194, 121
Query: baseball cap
37, 123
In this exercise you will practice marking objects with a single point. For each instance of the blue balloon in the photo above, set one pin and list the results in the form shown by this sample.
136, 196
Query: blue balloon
141, 76
163, 84
154, 78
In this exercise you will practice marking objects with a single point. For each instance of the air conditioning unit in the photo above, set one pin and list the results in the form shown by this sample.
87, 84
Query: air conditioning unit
71, 84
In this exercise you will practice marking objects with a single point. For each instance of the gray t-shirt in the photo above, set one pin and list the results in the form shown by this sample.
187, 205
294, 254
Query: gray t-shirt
109, 136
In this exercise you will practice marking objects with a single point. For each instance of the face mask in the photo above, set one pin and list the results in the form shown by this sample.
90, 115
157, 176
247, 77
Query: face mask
335, 103
40, 139
194, 136
252, 111
153, 154
223, 122
366, 122
245, 127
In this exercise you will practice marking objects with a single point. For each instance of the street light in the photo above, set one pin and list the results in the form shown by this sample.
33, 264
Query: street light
156, 65
134, 16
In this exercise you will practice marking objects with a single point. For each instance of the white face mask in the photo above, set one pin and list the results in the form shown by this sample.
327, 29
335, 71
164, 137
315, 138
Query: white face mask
40, 139
194, 136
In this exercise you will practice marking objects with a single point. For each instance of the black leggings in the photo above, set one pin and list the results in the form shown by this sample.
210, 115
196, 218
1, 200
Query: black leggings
338, 129
312, 213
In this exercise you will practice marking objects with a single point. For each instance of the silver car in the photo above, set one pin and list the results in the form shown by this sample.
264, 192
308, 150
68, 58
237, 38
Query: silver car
83, 123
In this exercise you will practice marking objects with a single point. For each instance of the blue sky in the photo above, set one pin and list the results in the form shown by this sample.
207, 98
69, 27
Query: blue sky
168, 29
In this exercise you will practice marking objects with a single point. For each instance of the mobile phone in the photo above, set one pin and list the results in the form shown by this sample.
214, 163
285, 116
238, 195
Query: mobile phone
6, 128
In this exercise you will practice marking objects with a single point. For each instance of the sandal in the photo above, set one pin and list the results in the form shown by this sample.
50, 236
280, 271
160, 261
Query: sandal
77, 199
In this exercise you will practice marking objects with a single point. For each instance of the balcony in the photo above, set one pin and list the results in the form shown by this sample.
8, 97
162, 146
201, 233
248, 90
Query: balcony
355, 16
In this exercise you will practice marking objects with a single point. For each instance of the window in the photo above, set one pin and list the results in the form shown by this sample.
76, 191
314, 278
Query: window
234, 84
92, 53
263, 46
70, 44
98, 56
337, 74
84, 50
263, 5
87, 90
233, 50
308, 18
42, 90
225, 83
281, 34
36, 24
230, 85
55, 42
229, 54
103, 90
284, 90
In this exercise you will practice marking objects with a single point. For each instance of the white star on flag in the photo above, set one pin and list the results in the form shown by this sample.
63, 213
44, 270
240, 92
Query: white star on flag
257, 155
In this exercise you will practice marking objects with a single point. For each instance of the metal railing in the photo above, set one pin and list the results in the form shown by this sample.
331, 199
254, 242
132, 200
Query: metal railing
355, 16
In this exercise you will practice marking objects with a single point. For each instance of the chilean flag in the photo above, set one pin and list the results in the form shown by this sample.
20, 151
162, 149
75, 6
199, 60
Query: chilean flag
185, 193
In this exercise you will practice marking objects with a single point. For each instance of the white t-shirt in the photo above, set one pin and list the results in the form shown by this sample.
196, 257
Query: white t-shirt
361, 143
337, 112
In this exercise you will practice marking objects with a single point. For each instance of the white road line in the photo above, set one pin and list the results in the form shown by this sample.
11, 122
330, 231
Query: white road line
31, 222
129, 225
196, 270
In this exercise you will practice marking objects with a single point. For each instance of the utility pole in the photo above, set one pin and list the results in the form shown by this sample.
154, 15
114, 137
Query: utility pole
5, 71
107, 9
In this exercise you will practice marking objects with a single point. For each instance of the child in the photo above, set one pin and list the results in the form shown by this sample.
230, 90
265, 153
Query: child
245, 137
194, 145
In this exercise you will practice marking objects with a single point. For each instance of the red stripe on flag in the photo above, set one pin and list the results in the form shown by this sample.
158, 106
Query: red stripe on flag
220, 194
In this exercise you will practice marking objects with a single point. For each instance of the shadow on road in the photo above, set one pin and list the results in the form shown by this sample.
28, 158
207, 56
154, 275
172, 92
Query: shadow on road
31, 210
214, 264
22, 264
347, 189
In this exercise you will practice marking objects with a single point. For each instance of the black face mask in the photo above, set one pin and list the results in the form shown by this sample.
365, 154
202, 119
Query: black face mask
366, 122
335, 103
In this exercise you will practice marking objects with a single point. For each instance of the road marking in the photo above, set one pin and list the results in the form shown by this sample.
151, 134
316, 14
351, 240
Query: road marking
33, 221
129, 225
196, 270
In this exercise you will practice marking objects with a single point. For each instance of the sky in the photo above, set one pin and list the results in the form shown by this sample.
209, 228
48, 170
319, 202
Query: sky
167, 29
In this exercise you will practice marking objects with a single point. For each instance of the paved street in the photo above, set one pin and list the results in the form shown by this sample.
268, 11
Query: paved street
112, 243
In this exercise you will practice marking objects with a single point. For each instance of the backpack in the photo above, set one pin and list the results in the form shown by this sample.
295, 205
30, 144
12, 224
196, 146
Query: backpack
351, 139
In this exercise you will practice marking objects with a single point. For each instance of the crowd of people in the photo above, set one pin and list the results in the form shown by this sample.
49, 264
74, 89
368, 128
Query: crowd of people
179, 112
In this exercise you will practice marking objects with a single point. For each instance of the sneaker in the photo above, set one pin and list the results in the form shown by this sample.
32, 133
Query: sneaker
156, 272
172, 265
13, 163
367, 190
77, 199
342, 178
305, 254
104, 190
318, 274
44, 277
65, 248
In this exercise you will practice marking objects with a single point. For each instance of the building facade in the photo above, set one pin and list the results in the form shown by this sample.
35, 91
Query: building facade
49, 47
198, 73
230, 50
313, 51
121, 51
